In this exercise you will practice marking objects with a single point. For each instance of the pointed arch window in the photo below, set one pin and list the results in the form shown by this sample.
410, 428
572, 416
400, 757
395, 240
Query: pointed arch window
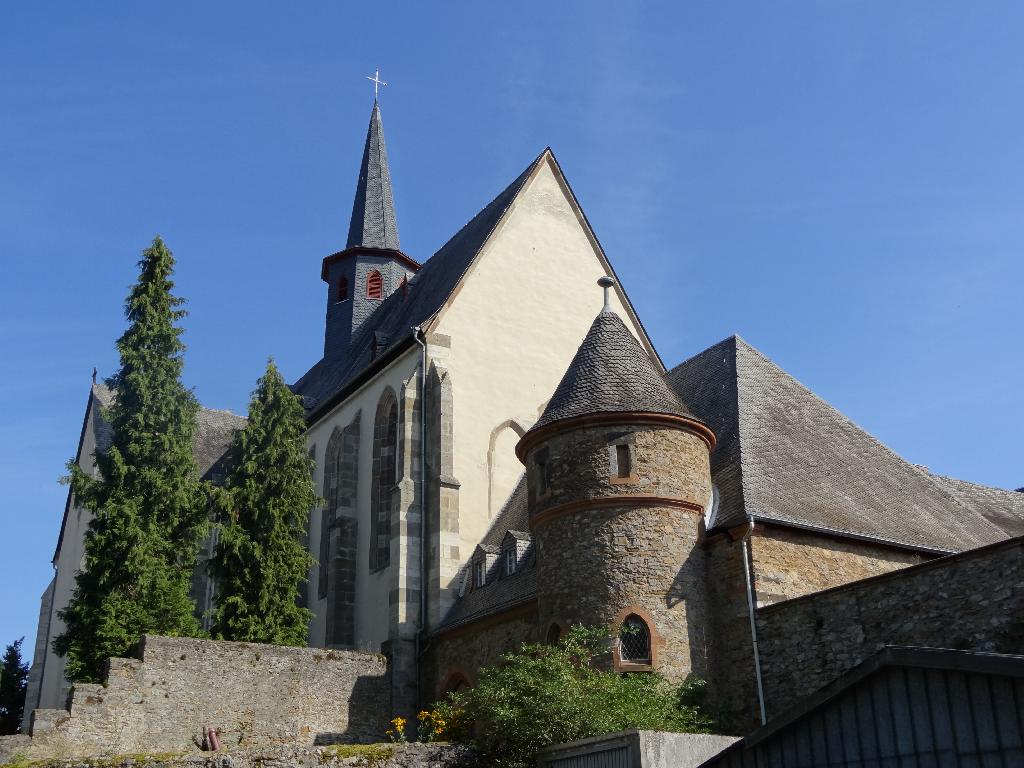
374, 285
341, 292
635, 641
385, 443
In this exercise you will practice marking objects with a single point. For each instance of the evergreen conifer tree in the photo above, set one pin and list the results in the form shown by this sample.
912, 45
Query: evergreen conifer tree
260, 561
149, 509
13, 684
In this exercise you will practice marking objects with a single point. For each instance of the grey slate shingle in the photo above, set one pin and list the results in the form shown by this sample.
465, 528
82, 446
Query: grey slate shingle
215, 429
373, 223
784, 454
611, 373
1002, 508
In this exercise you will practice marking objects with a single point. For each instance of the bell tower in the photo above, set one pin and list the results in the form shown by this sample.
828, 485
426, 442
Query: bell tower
618, 477
372, 266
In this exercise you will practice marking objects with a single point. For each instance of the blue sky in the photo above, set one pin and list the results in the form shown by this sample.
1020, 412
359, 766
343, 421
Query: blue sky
840, 183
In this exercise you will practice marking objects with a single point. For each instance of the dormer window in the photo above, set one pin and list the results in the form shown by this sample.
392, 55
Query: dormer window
510, 561
341, 292
479, 573
374, 285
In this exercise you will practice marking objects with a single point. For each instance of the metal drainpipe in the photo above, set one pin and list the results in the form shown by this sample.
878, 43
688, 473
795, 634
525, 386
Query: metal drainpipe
418, 335
753, 623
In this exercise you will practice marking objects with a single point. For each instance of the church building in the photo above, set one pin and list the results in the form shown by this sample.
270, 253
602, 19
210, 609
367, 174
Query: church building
502, 453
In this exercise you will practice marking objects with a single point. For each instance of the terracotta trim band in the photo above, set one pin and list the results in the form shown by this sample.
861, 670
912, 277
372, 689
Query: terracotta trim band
639, 418
600, 502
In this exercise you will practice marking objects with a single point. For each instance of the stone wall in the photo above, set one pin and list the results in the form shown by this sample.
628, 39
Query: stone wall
667, 462
971, 601
786, 564
790, 563
414, 755
457, 655
255, 694
609, 546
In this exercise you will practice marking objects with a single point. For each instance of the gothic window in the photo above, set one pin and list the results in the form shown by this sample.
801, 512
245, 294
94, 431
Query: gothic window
635, 641
374, 285
332, 480
342, 291
385, 442
555, 632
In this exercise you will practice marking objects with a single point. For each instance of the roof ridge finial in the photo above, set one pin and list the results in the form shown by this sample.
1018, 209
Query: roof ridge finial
606, 282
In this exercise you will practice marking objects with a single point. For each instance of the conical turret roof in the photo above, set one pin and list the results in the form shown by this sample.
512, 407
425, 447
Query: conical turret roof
611, 373
373, 222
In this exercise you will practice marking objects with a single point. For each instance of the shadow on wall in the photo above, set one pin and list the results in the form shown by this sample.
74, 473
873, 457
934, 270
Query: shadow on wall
366, 724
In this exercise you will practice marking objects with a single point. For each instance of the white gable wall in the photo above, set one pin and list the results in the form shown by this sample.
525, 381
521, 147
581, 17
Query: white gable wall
515, 325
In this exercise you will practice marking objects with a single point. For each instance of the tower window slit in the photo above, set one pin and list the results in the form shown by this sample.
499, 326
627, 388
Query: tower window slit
623, 461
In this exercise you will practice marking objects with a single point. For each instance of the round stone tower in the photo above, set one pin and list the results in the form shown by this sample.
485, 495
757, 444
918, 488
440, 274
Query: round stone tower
619, 477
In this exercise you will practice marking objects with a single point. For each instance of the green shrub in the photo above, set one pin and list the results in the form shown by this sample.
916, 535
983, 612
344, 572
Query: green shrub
543, 695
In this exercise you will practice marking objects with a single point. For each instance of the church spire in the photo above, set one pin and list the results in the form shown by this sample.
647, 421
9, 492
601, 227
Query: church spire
373, 222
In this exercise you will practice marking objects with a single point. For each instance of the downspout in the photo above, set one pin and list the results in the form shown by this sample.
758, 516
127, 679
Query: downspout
753, 623
418, 336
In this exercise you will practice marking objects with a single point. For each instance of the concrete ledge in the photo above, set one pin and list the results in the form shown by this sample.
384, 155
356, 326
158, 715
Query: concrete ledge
639, 749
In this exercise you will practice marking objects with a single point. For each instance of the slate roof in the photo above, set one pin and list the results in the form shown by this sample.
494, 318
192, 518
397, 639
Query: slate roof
1004, 509
787, 456
507, 591
395, 318
611, 373
215, 429
373, 223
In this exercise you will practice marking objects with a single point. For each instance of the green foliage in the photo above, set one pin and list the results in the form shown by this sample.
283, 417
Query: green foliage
149, 510
370, 754
260, 560
13, 684
544, 695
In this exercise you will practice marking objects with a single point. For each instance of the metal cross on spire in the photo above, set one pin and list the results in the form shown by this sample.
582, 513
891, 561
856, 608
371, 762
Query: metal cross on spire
377, 82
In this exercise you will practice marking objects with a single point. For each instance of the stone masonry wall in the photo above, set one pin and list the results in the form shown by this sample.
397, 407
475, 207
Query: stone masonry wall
606, 559
255, 694
461, 652
790, 563
667, 462
786, 564
971, 601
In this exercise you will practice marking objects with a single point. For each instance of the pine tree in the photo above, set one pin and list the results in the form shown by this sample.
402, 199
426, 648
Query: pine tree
148, 506
13, 684
260, 561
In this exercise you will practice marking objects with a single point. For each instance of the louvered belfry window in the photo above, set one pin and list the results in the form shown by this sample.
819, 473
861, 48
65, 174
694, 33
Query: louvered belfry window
635, 641
374, 285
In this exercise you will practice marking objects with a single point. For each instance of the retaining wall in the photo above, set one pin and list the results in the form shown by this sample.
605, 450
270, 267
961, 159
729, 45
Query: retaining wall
254, 694
970, 601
